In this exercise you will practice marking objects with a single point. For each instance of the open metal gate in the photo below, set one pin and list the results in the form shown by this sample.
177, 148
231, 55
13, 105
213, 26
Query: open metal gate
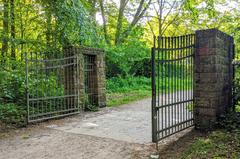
172, 84
52, 86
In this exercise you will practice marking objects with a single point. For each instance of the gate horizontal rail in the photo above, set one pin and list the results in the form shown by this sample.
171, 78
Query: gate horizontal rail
182, 102
172, 60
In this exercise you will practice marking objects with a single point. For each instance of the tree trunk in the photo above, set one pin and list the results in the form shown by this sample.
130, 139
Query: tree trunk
13, 34
138, 15
5, 28
22, 29
160, 18
123, 4
104, 21
48, 31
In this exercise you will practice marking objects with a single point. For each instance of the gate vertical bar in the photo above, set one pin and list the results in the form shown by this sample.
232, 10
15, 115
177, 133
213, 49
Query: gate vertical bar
154, 120
27, 87
233, 79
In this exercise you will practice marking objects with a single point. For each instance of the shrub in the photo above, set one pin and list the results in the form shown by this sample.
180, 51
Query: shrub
122, 58
230, 122
12, 87
12, 114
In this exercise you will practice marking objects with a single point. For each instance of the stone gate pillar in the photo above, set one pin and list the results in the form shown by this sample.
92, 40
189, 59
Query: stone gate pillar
99, 79
213, 77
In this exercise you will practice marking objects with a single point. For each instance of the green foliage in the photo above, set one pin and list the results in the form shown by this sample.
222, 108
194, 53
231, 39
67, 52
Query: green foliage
237, 106
12, 114
124, 90
89, 106
12, 85
231, 122
39, 85
142, 68
12, 94
74, 23
120, 60
237, 89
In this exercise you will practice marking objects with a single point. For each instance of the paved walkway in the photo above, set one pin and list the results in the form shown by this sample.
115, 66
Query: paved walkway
131, 123
112, 133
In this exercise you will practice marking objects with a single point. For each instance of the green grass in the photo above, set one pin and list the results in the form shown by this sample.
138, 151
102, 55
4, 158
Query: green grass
125, 90
219, 144
115, 99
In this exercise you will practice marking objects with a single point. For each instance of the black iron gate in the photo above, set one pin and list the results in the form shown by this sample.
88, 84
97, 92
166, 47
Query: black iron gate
172, 84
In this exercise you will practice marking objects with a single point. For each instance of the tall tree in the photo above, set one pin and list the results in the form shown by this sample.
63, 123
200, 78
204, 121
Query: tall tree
101, 2
5, 28
170, 8
49, 25
120, 35
13, 33
141, 10
123, 4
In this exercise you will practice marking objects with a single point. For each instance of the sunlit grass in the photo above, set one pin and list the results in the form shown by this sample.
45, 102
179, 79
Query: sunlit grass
125, 90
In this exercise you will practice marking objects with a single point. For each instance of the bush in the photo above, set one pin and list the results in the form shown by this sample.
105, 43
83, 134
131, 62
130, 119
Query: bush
12, 114
237, 89
122, 58
12, 83
230, 122
142, 68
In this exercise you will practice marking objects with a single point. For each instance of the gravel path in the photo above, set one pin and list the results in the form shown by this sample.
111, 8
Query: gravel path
122, 132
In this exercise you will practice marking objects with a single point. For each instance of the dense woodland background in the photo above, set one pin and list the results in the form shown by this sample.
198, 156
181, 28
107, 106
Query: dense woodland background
123, 28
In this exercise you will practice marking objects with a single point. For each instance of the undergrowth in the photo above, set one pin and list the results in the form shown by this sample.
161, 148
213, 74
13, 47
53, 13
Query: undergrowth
222, 143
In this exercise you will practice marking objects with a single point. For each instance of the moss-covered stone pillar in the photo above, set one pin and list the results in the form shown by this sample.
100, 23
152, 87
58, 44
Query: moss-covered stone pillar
101, 79
98, 78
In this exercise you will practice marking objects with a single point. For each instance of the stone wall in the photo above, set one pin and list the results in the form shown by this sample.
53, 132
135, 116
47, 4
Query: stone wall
100, 78
213, 77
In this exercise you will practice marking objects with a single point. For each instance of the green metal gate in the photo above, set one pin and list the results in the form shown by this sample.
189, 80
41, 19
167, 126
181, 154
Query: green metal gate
52, 86
172, 85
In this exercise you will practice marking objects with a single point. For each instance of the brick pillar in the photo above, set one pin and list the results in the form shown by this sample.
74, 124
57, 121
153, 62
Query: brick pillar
213, 77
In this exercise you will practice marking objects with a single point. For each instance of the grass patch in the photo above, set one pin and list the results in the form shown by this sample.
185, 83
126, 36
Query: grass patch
219, 144
114, 99
128, 89
125, 90
223, 143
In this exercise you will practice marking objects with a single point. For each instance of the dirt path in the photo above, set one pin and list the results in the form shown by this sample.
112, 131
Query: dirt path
122, 132
57, 144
